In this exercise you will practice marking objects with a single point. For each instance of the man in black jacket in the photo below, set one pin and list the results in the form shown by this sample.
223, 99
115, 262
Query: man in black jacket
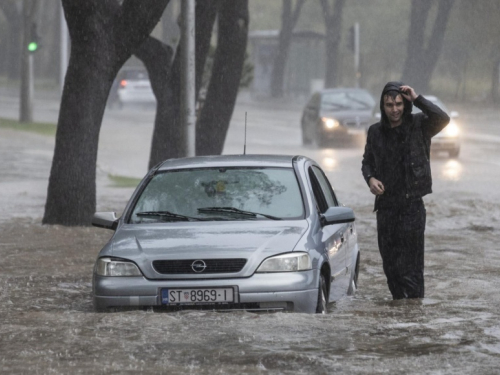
396, 167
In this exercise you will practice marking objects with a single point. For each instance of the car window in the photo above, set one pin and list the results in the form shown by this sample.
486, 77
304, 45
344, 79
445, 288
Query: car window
347, 100
134, 75
270, 191
323, 190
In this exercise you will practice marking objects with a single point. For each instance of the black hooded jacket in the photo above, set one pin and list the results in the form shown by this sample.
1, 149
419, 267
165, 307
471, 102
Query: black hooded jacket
415, 137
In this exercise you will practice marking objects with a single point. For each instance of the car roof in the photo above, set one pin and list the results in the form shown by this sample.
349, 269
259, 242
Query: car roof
254, 160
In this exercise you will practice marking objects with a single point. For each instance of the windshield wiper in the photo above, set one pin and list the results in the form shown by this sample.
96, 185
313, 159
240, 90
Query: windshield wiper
234, 210
170, 215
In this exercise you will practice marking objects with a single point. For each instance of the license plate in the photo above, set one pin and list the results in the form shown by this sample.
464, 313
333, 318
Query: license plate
197, 296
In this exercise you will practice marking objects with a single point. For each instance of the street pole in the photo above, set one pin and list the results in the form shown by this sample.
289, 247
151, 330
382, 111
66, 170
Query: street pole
63, 63
188, 75
356, 54
26, 97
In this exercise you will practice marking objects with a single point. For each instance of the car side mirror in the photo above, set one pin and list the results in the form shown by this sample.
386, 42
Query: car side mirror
106, 220
453, 114
337, 215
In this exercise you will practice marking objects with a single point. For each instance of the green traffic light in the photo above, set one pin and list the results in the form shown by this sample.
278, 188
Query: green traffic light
33, 46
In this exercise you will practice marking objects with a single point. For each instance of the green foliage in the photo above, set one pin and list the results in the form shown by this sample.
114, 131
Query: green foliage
34, 127
123, 181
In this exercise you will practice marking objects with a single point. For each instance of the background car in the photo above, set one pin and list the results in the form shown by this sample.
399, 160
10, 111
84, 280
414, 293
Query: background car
332, 114
447, 140
131, 86
251, 232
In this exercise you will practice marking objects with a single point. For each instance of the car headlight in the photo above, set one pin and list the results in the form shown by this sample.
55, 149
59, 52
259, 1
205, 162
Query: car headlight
330, 123
286, 263
114, 267
451, 130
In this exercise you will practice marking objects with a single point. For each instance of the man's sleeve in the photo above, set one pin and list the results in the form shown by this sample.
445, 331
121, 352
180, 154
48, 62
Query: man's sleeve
435, 118
368, 164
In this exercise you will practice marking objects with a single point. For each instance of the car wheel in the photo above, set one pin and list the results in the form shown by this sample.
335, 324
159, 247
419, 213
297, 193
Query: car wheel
318, 140
454, 153
322, 296
305, 139
353, 286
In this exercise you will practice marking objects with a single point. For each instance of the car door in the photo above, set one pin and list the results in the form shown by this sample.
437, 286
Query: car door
333, 237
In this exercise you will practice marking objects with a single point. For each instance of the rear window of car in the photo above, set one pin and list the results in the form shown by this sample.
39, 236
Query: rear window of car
135, 75
268, 191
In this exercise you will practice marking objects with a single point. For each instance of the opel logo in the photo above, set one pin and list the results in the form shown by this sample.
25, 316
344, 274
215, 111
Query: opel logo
198, 266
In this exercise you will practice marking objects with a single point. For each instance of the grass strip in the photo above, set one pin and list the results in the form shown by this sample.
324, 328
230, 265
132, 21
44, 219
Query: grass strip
123, 181
42, 128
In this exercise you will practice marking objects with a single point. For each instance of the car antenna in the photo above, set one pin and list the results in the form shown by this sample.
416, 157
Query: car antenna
245, 142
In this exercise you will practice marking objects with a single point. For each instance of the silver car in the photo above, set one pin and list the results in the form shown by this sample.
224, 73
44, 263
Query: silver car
336, 115
448, 139
252, 232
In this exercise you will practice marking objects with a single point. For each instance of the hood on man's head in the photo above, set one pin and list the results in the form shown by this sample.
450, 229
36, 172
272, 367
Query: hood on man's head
395, 87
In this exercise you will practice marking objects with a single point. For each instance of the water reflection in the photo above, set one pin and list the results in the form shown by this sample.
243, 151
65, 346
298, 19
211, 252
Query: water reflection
452, 170
329, 161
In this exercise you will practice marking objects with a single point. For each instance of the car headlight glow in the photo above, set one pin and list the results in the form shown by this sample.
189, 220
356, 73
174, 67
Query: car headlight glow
330, 123
113, 267
451, 130
286, 263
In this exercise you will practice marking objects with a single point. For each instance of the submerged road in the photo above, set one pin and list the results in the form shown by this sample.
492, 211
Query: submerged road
47, 324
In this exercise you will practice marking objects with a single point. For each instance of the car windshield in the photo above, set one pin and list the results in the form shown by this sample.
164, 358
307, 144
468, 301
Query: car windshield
220, 194
347, 100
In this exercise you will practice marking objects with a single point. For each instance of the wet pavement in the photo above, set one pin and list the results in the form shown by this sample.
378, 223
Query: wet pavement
47, 324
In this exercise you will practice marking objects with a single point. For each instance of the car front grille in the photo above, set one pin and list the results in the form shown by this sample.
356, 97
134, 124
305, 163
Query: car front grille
185, 266
356, 124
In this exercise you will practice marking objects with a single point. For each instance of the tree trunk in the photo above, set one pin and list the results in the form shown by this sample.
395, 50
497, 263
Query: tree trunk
157, 58
333, 25
415, 43
288, 22
435, 44
212, 126
420, 61
103, 36
168, 136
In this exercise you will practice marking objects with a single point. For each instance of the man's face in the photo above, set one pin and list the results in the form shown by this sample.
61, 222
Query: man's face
393, 108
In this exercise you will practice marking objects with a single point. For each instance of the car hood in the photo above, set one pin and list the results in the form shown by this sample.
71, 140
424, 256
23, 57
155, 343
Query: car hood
361, 115
251, 240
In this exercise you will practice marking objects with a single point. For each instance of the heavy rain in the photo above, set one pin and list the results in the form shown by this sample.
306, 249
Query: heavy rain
47, 320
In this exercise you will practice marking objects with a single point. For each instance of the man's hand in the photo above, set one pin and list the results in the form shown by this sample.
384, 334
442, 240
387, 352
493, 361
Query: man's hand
376, 187
408, 93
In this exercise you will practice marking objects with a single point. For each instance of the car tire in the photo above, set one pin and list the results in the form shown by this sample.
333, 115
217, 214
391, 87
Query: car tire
305, 140
319, 142
454, 153
353, 286
322, 296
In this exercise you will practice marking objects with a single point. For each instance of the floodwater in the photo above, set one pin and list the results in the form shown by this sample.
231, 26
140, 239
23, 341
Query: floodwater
47, 324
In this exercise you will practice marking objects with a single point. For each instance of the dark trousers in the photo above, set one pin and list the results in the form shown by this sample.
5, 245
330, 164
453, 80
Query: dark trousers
400, 230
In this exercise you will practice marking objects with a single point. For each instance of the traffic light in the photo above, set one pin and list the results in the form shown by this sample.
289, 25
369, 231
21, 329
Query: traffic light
34, 39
